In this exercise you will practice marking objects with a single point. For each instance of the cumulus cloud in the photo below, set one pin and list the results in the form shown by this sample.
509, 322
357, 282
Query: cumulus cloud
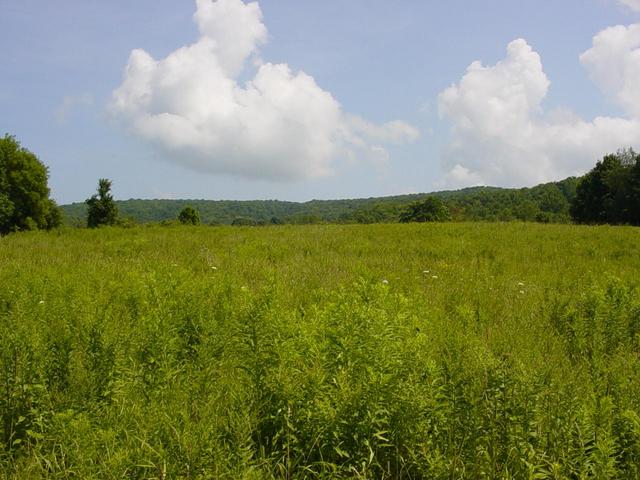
279, 125
632, 4
501, 135
614, 65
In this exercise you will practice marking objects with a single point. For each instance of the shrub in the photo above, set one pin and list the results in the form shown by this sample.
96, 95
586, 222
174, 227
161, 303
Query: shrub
431, 209
189, 216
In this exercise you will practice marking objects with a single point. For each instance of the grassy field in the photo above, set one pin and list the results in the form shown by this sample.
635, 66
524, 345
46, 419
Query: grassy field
384, 351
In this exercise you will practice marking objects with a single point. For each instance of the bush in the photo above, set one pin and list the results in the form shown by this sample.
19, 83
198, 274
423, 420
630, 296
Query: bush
189, 216
431, 209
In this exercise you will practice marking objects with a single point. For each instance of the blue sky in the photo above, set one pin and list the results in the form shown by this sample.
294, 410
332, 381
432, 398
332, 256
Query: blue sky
297, 100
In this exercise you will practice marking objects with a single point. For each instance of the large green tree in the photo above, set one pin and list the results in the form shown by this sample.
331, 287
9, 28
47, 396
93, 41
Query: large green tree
102, 209
24, 193
610, 192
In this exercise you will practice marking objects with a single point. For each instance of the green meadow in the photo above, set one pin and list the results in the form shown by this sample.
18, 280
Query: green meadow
417, 351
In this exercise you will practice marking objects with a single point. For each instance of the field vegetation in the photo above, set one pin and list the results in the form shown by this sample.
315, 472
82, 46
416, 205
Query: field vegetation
405, 351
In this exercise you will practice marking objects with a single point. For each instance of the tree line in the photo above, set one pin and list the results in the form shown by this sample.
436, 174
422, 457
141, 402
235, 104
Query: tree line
609, 193
549, 203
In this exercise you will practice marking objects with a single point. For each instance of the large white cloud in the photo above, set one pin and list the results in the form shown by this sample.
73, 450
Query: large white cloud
502, 136
614, 64
279, 125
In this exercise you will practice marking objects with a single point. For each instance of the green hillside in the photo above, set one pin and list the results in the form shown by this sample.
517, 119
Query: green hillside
545, 203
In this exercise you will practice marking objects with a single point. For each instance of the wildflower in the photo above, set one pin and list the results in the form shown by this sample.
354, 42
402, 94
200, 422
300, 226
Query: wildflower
435, 277
425, 272
385, 282
213, 268
522, 292
41, 302
520, 284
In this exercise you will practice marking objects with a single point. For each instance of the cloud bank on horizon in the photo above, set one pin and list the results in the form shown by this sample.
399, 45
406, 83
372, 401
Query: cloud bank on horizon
280, 125
501, 135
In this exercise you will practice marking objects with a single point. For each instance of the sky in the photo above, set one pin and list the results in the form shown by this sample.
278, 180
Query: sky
299, 99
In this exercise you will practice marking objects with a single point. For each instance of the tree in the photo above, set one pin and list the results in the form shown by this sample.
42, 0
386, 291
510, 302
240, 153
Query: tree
634, 193
549, 198
189, 216
431, 209
593, 192
24, 193
102, 209
609, 192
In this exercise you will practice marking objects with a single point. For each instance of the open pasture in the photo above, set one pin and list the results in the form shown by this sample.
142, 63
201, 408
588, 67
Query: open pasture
382, 351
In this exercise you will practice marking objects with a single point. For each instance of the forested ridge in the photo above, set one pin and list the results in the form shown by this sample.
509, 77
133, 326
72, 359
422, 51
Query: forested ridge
544, 203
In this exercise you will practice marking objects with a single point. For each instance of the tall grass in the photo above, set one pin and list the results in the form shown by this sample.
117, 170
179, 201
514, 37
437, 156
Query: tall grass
386, 351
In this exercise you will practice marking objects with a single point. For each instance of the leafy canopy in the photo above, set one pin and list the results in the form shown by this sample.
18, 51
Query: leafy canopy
610, 192
24, 193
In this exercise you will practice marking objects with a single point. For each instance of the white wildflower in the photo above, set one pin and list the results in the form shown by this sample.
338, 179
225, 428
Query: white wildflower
522, 292
520, 284
435, 277
386, 282
41, 302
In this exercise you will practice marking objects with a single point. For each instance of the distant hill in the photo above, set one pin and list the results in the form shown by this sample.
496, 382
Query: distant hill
546, 203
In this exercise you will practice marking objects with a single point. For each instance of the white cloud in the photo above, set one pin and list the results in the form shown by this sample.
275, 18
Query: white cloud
502, 136
235, 29
395, 132
279, 125
614, 65
632, 4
